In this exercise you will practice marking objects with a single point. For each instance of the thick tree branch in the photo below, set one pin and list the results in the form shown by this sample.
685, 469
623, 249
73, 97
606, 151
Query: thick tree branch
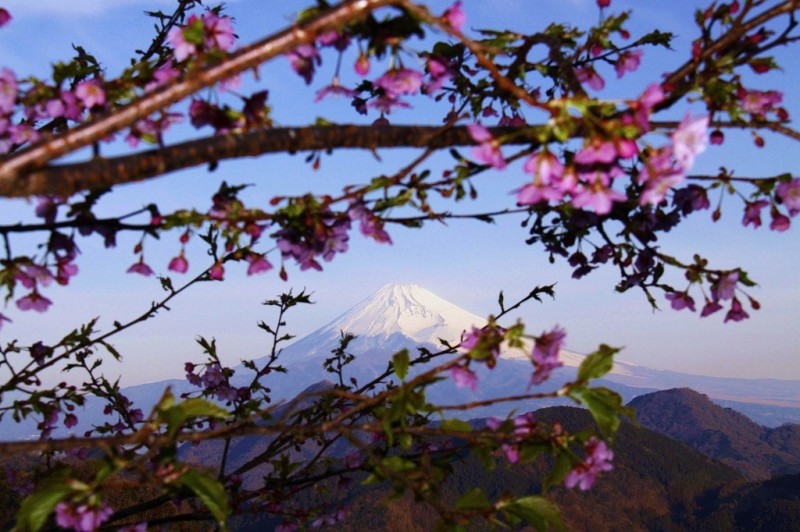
64, 180
99, 173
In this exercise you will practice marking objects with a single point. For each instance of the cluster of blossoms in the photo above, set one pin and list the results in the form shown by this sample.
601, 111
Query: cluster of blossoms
724, 285
588, 177
83, 518
723, 288
484, 345
385, 92
205, 34
209, 35
545, 354
786, 194
320, 232
48, 103
58, 264
522, 427
328, 236
215, 381
598, 459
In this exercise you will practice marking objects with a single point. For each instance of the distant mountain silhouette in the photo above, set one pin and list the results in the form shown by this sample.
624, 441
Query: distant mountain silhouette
721, 433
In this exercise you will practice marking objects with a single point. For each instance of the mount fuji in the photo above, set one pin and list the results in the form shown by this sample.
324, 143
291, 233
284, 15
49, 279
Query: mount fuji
407, 316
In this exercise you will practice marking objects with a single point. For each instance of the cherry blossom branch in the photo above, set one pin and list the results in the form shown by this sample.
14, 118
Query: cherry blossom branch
681, 78
39, 154
35, 367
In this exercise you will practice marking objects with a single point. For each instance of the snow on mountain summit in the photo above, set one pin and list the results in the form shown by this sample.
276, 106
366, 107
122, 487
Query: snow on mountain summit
410, 310
400, 316
394, 317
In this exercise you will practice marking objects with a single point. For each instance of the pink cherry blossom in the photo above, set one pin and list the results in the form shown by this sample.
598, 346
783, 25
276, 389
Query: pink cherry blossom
455, 16
589, 76
163, 75
370, 225
464, 377
680, 300
334, 89
594, 191
752, 212
182, 49
545, 167
34, 301
141, 268
652, 96
736, 312
5, 17
399, 81
759, 102
545, 354
8, 90
779, 222
70, 420
598, 459
257, 264
710, 308
304, 60
91, 93
440, 71
65, 269
217, 272
487, 340
65, 105
725, 287
488, 151
689, 140
659, 175
789, 193
362, 64
84, 518
179, 264
218, 32
596, 151
628, 62
3, 318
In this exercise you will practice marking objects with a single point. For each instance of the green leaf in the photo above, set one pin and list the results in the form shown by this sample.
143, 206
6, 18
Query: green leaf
197, 407
598, 363
537, 512
210, 491
562, 466
174, 415
605, 406
38, 506
456, 425
474, 499
400, 361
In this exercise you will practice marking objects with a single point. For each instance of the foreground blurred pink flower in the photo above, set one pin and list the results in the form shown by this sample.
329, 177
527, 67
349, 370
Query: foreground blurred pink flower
455, 16
598, 459
488, 151
689, 140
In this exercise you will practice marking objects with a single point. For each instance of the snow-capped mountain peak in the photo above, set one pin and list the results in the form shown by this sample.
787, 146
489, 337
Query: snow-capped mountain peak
406, 309
400, 316
396, 316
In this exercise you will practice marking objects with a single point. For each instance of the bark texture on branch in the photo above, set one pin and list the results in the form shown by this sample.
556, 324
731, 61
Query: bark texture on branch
63, 180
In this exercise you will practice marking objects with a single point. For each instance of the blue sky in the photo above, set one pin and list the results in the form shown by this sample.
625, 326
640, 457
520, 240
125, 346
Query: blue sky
465, 262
